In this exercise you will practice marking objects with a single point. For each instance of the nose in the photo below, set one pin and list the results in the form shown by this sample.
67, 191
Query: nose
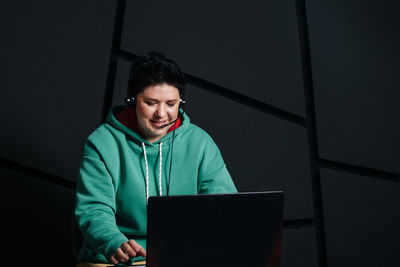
161, 111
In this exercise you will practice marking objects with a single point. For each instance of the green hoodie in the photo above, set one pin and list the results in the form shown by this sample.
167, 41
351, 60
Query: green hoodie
111, 190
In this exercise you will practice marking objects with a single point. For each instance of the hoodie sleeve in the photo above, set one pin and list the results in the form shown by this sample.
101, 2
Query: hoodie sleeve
214, 177
95, 205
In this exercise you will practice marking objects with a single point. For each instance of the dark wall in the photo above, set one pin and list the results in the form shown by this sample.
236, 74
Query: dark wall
54, 57
37, 216
355, 59
54, 65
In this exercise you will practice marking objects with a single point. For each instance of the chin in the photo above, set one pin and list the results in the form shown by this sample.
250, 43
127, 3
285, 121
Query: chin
157, 132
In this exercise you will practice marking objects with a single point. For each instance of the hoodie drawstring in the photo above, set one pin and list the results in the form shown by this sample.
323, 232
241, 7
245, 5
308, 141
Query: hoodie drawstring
159, 175
147, 171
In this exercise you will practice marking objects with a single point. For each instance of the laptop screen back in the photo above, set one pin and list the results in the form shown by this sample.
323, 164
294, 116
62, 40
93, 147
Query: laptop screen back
243, 229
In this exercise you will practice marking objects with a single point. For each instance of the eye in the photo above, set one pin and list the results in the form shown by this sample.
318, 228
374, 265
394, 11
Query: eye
150, 103
171, 104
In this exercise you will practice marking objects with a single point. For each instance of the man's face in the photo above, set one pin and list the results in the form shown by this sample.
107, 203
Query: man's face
156, 105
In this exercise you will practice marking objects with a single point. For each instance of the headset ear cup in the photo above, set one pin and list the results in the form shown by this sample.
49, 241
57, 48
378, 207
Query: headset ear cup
131, 101
182, 104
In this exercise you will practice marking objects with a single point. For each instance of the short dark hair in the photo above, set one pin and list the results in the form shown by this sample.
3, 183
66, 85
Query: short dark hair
154, 68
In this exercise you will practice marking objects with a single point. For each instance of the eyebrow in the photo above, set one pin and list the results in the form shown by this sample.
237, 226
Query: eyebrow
154, 99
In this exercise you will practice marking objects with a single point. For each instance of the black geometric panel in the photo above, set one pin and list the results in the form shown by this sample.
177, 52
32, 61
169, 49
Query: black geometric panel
121, 81
362, 220
298, 248
36, 221
53, 76
355, 57
261, 152
251, 47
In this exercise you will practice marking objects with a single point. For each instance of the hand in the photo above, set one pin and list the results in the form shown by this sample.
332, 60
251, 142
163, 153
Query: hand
128, 249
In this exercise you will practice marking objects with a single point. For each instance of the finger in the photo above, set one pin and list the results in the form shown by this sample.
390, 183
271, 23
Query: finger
128, 250
121, 256
141, 252
114, 260
138, 248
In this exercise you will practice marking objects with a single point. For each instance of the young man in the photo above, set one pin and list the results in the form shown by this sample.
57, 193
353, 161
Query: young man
146, 148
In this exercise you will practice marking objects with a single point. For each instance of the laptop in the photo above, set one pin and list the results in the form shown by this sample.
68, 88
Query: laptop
235, 230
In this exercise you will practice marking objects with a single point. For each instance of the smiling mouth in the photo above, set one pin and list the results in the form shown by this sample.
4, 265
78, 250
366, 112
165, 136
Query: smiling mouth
158, 124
